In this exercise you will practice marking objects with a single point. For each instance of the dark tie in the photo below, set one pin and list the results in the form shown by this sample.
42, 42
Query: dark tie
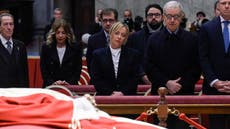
108, 39
226, 35
8, 47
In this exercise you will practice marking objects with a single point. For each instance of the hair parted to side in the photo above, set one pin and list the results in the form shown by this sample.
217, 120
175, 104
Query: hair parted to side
67, 28
116, 26
5, 14
172, 5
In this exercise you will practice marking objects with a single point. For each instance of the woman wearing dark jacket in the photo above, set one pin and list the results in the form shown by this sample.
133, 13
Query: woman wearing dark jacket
116, 68
60, 56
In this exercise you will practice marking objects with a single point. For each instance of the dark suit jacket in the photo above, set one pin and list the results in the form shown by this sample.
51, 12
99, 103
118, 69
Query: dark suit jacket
14, 67
172, 56
98, 40
103, 75
138, 41
94, 28
69, 70
214, 61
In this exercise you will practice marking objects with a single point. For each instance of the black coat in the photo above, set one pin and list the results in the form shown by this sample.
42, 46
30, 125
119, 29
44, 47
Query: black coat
172, 56
214, 61
14, 67
103, 75
69, 70
97, 40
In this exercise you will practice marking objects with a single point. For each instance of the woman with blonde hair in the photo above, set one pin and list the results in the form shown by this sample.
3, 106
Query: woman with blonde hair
115, 69
60, 56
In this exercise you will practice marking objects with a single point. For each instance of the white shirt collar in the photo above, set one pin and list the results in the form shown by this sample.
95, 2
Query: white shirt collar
115, 51
5, 40
222, 19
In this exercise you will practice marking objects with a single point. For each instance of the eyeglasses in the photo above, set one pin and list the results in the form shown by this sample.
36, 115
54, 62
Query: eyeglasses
169, 16
108, 20
157, 15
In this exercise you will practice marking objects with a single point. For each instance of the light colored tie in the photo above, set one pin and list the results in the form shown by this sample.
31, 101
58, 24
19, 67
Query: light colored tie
8, 47
226, 35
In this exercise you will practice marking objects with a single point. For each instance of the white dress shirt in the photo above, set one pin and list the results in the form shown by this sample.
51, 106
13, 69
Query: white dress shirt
115, 57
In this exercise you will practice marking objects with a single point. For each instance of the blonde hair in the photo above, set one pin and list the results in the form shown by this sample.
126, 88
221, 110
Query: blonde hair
116, 26
66, 26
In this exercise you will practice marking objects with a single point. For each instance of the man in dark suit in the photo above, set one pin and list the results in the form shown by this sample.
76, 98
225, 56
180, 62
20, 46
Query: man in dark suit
99, 40
172, 59
13, 57
215, 60
138, 40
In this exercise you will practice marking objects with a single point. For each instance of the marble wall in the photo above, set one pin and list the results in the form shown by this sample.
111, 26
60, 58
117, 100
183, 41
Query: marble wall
138, 6
43, 10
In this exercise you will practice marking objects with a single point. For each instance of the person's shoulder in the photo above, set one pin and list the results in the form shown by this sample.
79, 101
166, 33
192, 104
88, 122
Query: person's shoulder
131, 50
213, 22
142, 31
19, 43
100, 51
98, 34
75, 46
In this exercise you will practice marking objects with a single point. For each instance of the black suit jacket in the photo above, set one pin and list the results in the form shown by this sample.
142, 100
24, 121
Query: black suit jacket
103, 75
14, 67
172, 56
138, 41
214, 61
69, 70
98, 40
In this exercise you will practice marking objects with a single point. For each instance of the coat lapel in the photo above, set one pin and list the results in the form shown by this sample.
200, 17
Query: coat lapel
16, 51
121, 62
4, 53
110, 62
54, 54
67, 54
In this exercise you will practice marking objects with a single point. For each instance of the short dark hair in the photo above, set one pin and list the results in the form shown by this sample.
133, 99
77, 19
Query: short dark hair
157, 6
108, 11
201, 13
215, 4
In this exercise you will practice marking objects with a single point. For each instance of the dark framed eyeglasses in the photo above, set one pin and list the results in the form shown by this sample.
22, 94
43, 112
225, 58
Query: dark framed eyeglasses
108, 20
154, 14
170, 16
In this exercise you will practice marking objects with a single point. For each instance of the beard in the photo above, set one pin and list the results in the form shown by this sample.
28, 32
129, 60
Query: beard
155, 25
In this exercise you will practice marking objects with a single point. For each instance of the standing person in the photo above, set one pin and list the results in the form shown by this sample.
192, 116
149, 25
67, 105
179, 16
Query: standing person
101, 39
13, 56
115, 68
172, 59
215, 59
57, 14
60, 56
96, 26
128, 19
138, 40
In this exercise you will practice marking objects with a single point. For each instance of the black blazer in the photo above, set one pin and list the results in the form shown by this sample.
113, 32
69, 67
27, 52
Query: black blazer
98, 40
214, 61
14, 67
172, 56
69, 70
103, 75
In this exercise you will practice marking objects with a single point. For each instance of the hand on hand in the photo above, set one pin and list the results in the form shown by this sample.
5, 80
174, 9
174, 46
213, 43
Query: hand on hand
173, 86
117, 93
59, 82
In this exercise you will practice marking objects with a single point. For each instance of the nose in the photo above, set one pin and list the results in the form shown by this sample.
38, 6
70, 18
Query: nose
172, 19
